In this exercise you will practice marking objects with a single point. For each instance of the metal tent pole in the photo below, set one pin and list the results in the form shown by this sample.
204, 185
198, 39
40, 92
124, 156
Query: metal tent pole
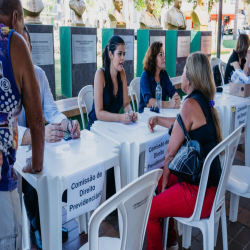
219, 29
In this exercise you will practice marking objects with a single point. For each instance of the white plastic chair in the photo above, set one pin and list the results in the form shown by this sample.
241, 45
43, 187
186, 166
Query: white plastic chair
238, 182
209, 226
85, 99
214, 61
222, 68
134, 89
133, 203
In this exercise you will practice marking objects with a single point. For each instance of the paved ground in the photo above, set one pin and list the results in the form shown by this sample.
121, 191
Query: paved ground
238, 232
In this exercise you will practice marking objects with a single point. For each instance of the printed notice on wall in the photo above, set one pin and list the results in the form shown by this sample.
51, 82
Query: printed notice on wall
129, 46
241, 114
85, 190
183, 46
206, 44
156, 151
161, 39
84, 49
42, 48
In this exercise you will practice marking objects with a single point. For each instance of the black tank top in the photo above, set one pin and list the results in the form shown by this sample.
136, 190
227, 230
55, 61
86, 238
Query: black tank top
206, 136
113, 106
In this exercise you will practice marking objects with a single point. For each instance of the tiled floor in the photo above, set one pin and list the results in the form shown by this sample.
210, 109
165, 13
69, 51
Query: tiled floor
238, 232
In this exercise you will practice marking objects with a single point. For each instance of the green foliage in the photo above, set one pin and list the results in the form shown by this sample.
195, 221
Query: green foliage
160, 4
140, 5
211, 3
246, 1
90, 3
49, 5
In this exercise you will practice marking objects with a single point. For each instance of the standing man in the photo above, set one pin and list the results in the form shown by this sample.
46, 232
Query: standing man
53, 133
18, 86
222, 31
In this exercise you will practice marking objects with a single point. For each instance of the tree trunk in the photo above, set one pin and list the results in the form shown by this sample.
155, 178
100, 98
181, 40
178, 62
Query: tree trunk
235, 19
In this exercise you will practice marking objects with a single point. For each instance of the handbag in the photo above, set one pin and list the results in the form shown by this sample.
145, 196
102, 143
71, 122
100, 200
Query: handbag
187, 163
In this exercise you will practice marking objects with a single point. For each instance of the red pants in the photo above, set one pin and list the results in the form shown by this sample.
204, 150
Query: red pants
177, 201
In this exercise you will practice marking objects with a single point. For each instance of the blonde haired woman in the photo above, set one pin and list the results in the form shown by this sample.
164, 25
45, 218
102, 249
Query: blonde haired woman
177, 197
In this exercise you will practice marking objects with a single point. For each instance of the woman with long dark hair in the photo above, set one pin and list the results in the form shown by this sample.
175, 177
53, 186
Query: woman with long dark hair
110, 87
240, 57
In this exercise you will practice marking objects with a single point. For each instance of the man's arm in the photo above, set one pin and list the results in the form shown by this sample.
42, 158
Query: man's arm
53, 115
28, 86
50, 110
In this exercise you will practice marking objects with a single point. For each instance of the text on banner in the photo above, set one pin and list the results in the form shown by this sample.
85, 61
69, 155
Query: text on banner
156, 151
241, 114
85, 190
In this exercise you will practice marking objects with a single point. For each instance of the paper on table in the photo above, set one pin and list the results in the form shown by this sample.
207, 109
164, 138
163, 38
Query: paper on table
132, 125
62, 142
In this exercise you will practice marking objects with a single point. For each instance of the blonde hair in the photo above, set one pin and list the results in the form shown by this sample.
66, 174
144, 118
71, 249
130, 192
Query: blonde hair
199, 74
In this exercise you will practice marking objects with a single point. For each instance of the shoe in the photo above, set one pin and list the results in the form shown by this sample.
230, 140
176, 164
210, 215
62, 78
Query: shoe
175, 246
64, 233
35, 238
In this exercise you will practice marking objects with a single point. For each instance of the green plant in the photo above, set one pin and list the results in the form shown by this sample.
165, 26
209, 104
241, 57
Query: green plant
48, 4
90, 3
140, 5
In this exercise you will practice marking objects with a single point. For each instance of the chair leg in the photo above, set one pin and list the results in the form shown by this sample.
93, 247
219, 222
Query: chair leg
186, 236
208, 236
216, 227
234, 205
224, 227
165, 233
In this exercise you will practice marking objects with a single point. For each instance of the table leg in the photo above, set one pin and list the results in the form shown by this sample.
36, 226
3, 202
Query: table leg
134, 161
142, 163
118, 187
55, 212
125, 163
247, 139
42, 192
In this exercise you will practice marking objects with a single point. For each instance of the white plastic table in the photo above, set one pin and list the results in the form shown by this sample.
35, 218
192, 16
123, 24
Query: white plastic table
221, 100
224, 99
132, 144
60, 162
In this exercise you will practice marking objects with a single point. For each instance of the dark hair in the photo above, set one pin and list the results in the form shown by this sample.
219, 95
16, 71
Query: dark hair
113, 43
149, 61
242, 45
25, 28
8, 6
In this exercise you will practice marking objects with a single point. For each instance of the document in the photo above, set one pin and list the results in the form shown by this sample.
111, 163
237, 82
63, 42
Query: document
132, 125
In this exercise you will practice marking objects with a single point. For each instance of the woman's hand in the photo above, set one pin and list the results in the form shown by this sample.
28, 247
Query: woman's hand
152, 122
134, 116
175, 102
125, 119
